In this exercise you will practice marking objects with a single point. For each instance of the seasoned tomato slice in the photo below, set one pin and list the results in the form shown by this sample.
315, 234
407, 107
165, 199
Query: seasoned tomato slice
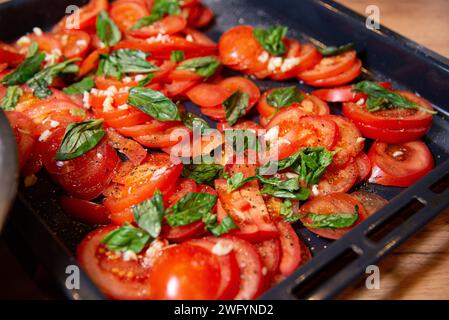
329, 67
399, 165
364, 166
371, 202
126, 13
338, 179
340, 79
336, 203
85, 211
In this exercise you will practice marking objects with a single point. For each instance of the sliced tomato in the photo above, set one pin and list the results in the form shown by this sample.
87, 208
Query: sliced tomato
164, 139
290, 246
24, 132
339, 79
116, 278
207, 95
186, 271
339, 179
126, 13
9, 55
75, 43
204, 17
179, 88
230, 272
85, 211
85, 18
91, 62
47, 43
399, 165
152, 126
167, 25
364, 166
393, 119
344, 94
270, 252
371, 202
331, 204
245, 85
133, 151
329, 67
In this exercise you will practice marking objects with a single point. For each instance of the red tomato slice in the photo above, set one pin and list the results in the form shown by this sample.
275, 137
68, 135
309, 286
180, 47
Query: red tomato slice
270, 252
91, 62
47, 42
116, 278
329, 67
233, 84
179, 88
126, 13
230, 272
24, 132
85, 211
165, 139
330, 204
153, 126
9, 55
75, 43
339, 179
394, 119
364, 167
168, 25
186, 272
207, 95
183, 233
344, 94
291, 248
131, 149
399, 165
371, 202
158, 172
204, 17
340, 79
87, 16
293, 55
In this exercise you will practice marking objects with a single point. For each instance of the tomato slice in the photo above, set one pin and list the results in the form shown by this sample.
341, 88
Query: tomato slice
233, 84
371, 202
339, 79
207, 95
204, 17
270, 252
167, 25
291, 248
164, 139
364, 166
9, 55
116, 278
339, 179
24, 132
85, 211
152, 126
133, 151
91, 62
230, 272
399, 165
344, 94
393, 119
186, 271
75, 43
126, 13
330, 204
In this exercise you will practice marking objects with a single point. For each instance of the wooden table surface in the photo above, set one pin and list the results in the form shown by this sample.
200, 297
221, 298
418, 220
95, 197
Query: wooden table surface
420, 268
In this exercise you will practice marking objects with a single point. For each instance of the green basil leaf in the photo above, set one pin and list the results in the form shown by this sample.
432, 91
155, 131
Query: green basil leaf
124, 61
242, 140
148, 78
126, 238
271, 39
80, 138
107, 30
289, 184
177, 56
25, 70
301, 195
380, 98
149, 214
219, 229
333, 51
284, 97
41, 81
190, 208
203, 173
154, 103
203, 66
287, 212
158, 11
192, 121
235, 106
10, 100
33, 49
237, 180
331, 221
80, 87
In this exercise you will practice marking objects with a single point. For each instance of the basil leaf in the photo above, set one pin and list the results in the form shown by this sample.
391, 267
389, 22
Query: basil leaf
149, 214
192, 121
333, 51
301, 195
190, 208
148, 78
107, 30
380, 98
24, 71
271, 39
126, 238
80, 138
287, 212
33, 49
242, 140
284, 97
203, 66
289, 184
237, 180
154, 103
12, 97
235, 106
219, 229
159, 9
124, 61
203, 173
41, 81
80, 87
331, 221
176, 56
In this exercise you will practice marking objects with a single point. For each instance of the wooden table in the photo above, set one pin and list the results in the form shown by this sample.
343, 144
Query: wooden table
420, 268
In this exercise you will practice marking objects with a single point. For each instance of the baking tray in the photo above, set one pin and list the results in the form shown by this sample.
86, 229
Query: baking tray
387, 56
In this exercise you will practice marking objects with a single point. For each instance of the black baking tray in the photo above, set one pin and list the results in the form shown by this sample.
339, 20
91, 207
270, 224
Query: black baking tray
53, 236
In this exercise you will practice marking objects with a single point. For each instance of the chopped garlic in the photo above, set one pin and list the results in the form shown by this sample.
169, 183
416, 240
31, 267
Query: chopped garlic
107, 104
81, 42
398, 154
360, 140
54, 123
189, 38
23, 41
153, 251
264, 271
30, 181
222, 248
289, 64
360, 102
45, 135
263, 57
123, 107
139, 77
127, 79
129, 255
37, 31
86, 100
315, 190
291, 175
274, 63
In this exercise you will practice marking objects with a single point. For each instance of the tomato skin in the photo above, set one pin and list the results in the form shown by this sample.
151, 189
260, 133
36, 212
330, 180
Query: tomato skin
10, 56
207, 95
338, 179
329, 67
291, 248
91, 61
399, 165
87, 16
91, 255
126, 13
329, 204
339, 79
344, 94
185, 272
85, 211
168, 25
371, 202
270, 252
75, 43
133, 151
364, 167
24, 132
